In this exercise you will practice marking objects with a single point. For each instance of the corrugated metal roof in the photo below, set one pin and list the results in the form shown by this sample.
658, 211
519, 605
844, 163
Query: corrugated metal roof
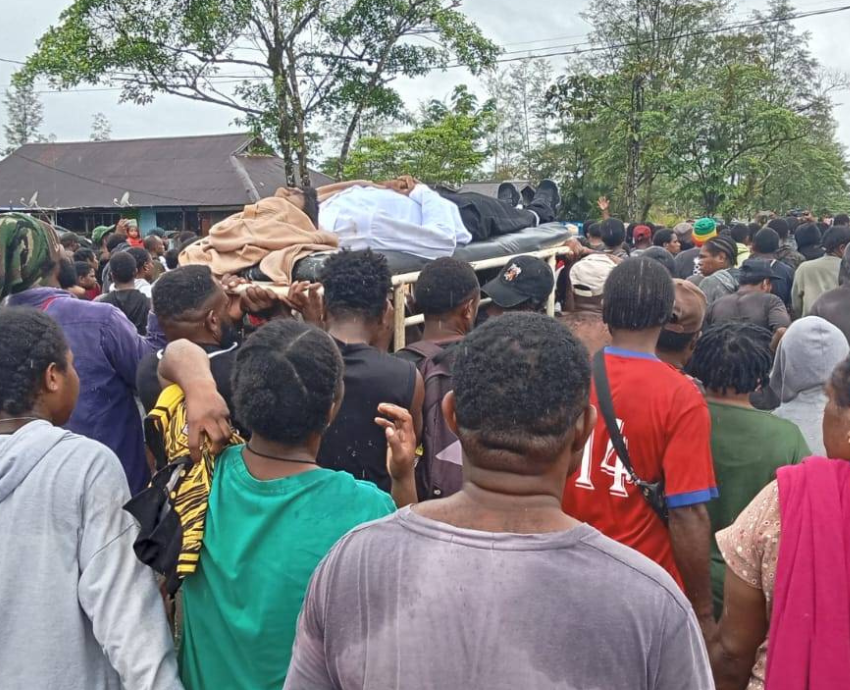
179, 171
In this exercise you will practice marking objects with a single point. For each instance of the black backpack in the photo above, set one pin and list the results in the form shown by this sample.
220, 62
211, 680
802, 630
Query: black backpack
439, 472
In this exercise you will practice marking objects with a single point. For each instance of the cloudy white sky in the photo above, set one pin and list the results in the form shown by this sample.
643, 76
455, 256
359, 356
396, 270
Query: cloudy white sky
531, 24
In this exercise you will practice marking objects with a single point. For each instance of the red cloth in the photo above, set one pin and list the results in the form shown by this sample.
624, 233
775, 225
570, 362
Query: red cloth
135, 241
809, 642
667, 429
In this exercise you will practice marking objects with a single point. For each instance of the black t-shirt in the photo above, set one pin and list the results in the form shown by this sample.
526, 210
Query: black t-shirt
354, 442
221, 365
134, 304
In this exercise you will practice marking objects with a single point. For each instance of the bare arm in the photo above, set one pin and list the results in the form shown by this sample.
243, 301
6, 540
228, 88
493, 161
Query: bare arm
742, 629
401, 452
187, 365
417, 404
690, 536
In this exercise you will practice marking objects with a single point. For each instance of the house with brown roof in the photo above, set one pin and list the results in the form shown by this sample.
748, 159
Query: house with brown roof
178, 183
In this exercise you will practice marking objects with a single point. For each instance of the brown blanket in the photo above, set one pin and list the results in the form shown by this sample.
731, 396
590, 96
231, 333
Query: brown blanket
272, 233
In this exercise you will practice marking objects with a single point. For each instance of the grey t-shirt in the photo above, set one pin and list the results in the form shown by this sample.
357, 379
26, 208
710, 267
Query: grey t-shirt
408, 602
760, 308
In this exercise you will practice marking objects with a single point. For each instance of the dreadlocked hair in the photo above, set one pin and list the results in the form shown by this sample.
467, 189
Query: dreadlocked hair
30, 341
723, 245
286, 377
638, 295
733, 355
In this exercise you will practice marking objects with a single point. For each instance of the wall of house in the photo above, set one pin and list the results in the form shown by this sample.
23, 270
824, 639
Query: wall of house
147, 220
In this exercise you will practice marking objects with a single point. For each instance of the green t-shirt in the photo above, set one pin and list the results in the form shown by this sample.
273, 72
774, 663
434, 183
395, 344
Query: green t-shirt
262, 541
748, 446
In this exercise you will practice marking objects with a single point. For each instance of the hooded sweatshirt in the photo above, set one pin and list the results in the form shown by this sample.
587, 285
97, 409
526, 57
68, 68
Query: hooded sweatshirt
718, 284
808, 353
107, 350
78, 610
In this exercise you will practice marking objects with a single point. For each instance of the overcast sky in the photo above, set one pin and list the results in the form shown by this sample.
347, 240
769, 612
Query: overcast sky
530, 24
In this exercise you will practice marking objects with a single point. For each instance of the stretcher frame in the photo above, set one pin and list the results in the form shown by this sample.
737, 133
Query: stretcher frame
403, 281
402, 284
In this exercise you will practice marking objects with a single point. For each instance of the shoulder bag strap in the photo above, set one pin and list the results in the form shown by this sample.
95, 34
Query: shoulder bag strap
606, 407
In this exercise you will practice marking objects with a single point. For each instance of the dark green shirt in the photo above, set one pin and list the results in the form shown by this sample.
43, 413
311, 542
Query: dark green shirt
748, 447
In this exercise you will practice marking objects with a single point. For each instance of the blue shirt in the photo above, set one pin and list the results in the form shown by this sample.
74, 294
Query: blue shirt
106, 350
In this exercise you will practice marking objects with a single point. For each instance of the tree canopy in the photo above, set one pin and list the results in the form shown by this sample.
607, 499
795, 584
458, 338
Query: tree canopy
280, 65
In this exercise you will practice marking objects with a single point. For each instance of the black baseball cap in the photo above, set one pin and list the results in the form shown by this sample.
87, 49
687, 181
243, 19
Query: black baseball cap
522, 279
758, 269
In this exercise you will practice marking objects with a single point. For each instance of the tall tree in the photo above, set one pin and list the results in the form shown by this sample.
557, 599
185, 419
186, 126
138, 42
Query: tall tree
101, 129
447, 145
24, 116
281, 65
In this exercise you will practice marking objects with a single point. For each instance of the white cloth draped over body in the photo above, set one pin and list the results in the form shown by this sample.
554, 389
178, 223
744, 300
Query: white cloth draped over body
423, 224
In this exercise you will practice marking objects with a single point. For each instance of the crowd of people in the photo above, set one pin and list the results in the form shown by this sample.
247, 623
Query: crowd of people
207, 485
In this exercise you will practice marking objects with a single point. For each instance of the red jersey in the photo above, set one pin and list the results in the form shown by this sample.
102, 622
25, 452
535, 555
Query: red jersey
667, 428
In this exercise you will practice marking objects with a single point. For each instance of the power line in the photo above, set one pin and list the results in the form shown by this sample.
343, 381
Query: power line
100, 182
561, 50
633, 44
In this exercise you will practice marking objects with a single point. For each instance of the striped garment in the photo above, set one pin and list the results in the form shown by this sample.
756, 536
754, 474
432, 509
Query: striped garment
172, 510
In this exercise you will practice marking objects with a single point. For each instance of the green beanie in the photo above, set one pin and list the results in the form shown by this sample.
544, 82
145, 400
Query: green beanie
704, 230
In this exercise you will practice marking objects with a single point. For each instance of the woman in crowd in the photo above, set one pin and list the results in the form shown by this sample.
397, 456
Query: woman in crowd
808, 354
667, 239
273, 513
78, 609
786, 617
717, 274
732, 359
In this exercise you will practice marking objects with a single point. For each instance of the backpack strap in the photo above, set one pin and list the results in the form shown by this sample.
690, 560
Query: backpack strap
425, 348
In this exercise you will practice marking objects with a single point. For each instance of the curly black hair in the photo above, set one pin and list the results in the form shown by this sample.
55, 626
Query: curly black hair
520, 383
67, 273
662, 256
766, 241
183, 292
840, 381
356, 284
311, 204
172, 259
286, 377
82, 269
740, 232
141, 255
443, 285
841, 219
30, 341
836, 237
662, 237
638, 295
733, 355
808, 235
69, 239
122, 266
114, 241
780, 227
613, 233
84, 254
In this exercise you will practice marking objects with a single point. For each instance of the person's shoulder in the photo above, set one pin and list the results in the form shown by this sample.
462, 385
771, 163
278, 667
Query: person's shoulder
630, 571
364, 494
89, 459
